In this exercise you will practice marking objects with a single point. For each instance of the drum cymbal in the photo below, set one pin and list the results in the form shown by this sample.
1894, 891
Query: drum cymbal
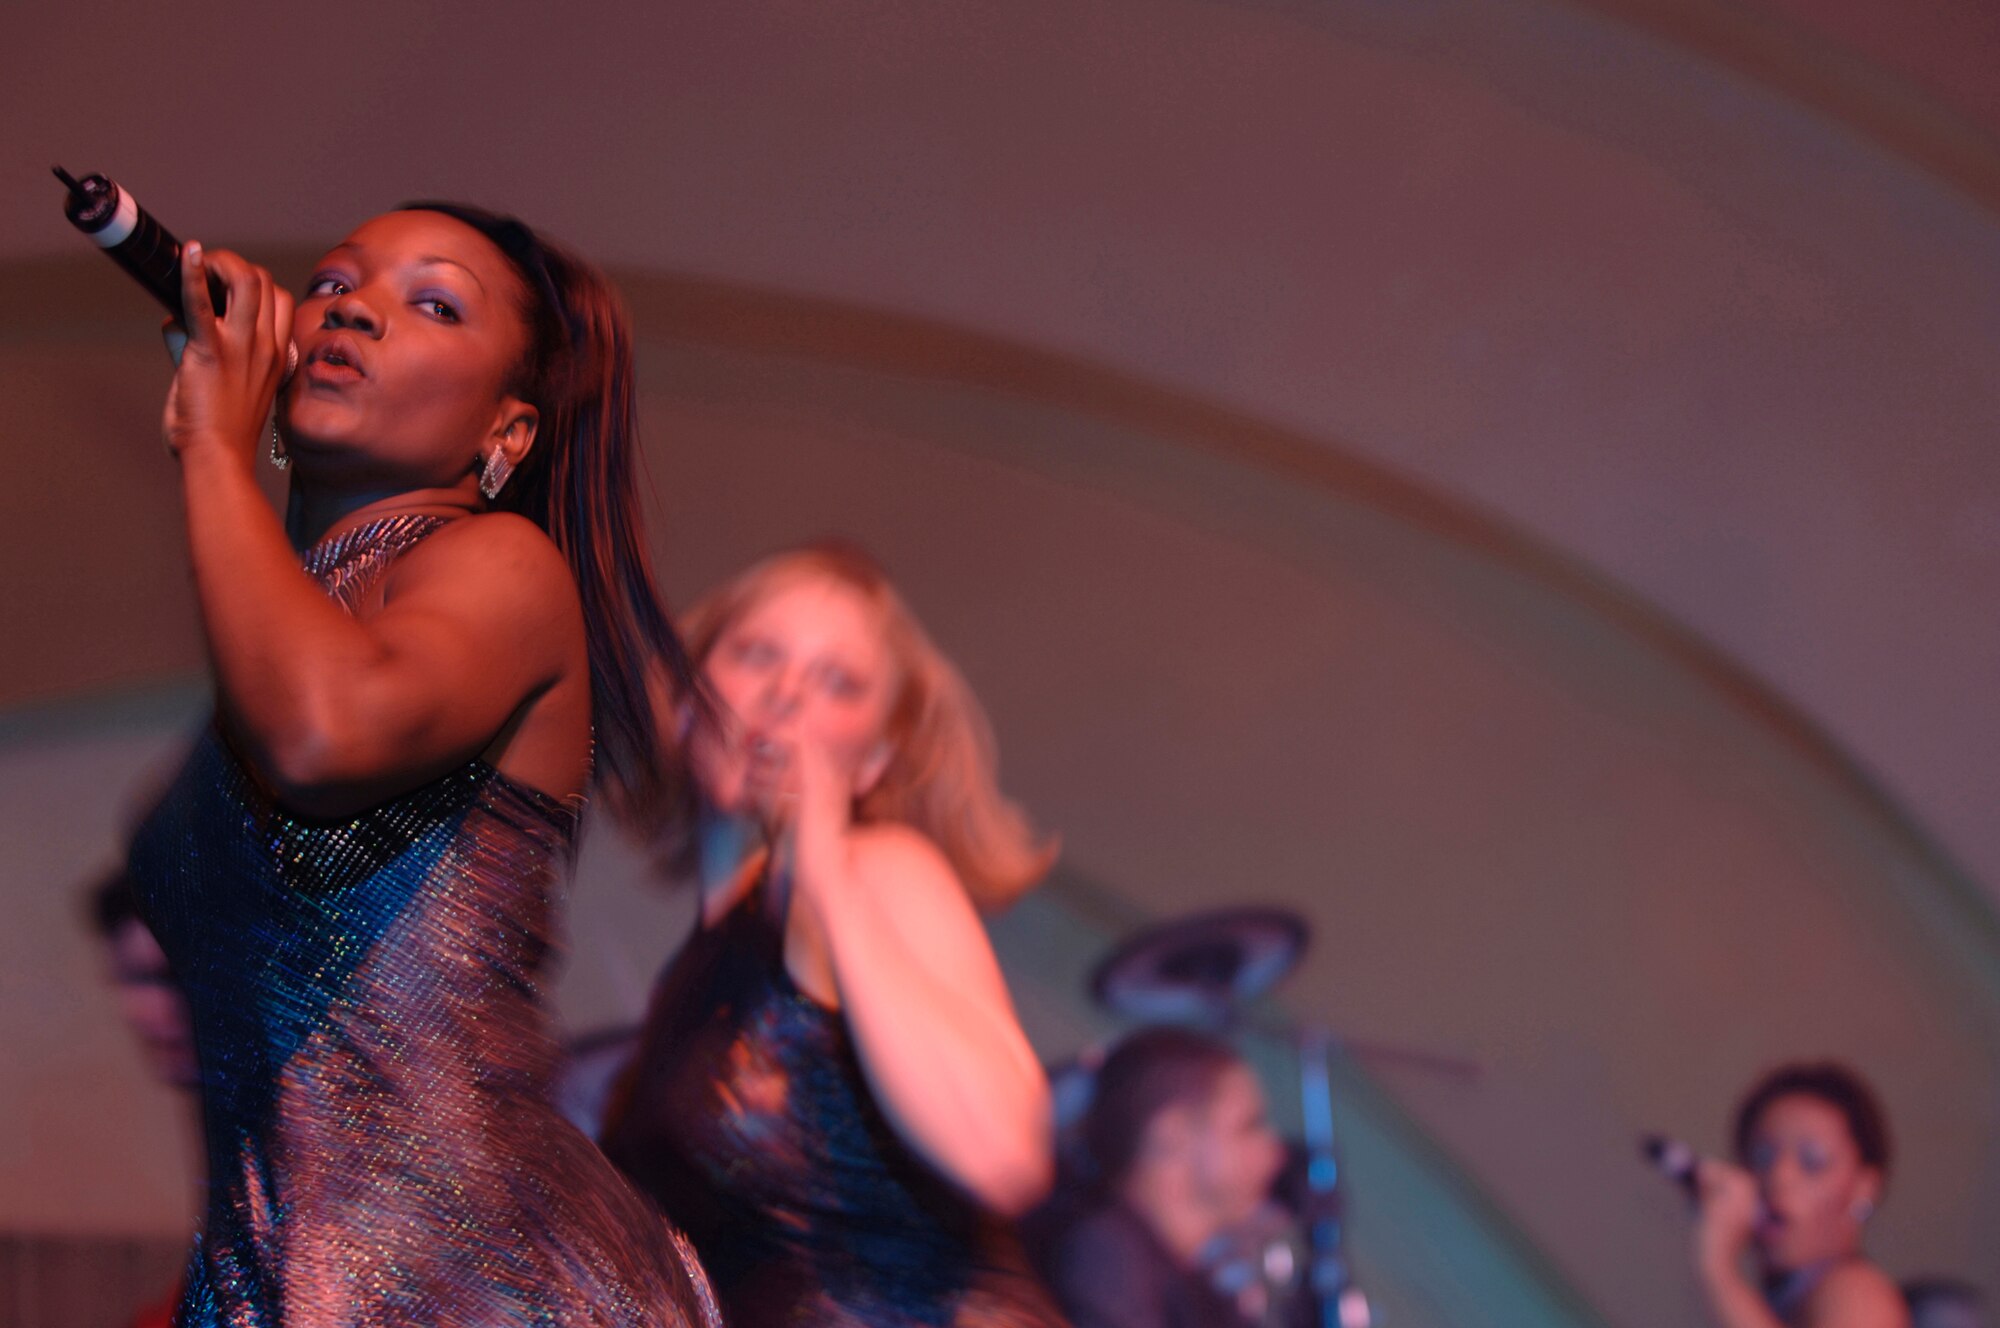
1200, 967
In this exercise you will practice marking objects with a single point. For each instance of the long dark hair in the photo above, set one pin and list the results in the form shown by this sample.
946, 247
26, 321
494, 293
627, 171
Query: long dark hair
579, 483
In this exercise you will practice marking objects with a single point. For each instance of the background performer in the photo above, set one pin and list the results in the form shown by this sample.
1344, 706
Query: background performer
833, 1092
1812, 1156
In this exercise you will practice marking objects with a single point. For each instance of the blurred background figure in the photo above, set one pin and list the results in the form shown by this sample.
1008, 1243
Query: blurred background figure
834, 1094
156, 1011
1943, 1302
1183, 1156
148, 997
1812, 1161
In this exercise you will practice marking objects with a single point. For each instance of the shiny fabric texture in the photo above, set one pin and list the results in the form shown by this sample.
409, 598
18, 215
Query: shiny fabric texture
748, 1110
376, 1060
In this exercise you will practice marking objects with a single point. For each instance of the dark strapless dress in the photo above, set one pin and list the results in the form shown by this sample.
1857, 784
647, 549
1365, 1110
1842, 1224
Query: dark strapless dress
747, 1108
375, 1057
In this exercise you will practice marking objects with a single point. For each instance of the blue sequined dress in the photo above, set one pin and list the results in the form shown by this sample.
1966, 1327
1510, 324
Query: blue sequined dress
375, 1057
748, 1108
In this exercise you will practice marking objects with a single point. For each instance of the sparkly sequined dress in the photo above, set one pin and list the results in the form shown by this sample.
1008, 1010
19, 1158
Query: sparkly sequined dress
375, 1057
747, 1106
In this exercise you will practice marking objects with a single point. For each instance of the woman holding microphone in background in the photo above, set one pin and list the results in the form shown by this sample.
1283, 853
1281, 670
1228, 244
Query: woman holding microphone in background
833, 1093
1812, 1158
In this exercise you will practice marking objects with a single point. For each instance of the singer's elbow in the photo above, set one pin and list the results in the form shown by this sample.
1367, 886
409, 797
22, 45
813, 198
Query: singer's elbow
1026, 1184
316, 764
1010, 1176
302, 773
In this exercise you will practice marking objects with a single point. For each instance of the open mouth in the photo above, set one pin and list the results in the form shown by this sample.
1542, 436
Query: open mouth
334, 361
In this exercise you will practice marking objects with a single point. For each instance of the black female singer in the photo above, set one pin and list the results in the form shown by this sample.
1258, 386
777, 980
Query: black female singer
354, 874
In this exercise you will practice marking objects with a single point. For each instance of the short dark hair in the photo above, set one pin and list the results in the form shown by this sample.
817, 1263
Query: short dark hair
1838, 1087
111, 902
1145, 1074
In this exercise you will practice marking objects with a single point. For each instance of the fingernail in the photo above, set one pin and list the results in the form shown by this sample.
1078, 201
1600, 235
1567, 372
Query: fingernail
193, 251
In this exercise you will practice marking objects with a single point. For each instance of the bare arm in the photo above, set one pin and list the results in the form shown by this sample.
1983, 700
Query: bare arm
925, 1001
1724, 1221
337, 712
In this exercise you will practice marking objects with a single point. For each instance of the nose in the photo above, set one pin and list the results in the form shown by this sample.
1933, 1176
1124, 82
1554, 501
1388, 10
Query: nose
349, 311
782, 695
1776, 1178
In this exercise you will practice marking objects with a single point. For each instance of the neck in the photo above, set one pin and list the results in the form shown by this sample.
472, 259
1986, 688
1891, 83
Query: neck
312, 515
1162, 1202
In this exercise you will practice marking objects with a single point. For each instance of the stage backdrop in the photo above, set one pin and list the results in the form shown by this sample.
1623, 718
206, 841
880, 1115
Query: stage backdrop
1511, 481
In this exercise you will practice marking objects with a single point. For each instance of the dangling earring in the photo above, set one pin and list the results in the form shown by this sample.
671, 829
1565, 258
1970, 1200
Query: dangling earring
279, 458
493, 477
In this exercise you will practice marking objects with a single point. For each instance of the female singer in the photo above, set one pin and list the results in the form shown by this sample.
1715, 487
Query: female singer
354, 873
1812, 1152
833, 1092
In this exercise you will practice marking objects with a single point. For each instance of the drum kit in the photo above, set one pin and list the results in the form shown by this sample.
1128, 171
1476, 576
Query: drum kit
1288, 1266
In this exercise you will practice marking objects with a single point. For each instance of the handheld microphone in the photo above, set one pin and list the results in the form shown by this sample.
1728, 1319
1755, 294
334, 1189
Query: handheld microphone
1672, 1159
134, 240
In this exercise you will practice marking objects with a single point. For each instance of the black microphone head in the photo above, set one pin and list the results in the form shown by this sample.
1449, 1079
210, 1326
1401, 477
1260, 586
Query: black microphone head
1671, 1158
92, 201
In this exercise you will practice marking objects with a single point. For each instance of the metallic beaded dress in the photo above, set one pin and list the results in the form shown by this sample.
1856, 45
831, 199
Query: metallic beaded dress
748, 1108
375, 1057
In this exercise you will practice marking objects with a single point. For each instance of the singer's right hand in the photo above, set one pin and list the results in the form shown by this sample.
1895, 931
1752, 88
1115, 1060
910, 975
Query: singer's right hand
230, 370
1726, 1212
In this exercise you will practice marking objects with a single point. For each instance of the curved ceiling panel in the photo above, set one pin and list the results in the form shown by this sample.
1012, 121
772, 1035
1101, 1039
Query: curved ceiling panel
1705, 334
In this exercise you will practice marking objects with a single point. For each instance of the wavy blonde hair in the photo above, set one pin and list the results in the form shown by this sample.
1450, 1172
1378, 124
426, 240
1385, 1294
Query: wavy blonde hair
942, 777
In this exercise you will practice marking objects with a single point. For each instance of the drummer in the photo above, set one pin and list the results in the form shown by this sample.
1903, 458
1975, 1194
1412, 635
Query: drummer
1182, 1153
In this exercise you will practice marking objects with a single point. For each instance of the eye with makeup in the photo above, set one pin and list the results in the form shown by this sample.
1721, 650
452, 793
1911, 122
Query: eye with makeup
440, 308
326, 284
751, 652
841, 683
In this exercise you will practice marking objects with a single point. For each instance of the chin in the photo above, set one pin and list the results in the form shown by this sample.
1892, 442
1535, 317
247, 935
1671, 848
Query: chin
1788, 1256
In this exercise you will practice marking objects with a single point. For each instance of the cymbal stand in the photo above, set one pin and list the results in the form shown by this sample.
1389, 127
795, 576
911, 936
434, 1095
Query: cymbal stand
1341, 1304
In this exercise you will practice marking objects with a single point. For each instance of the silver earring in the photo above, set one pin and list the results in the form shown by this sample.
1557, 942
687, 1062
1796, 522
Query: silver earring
493, 477
278, 455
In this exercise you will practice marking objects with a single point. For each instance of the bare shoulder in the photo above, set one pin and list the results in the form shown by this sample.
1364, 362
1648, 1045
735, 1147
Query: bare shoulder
1857, 1294
927, 903
504, 540
904, 860
493, 556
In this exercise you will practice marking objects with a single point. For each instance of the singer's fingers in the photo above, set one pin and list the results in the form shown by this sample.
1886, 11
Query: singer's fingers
199, 309
281, 326
240, 278
1724, 1186
267, 315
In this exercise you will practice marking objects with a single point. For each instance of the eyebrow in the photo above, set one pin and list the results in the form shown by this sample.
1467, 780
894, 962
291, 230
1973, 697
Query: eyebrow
428, 259
425, 260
